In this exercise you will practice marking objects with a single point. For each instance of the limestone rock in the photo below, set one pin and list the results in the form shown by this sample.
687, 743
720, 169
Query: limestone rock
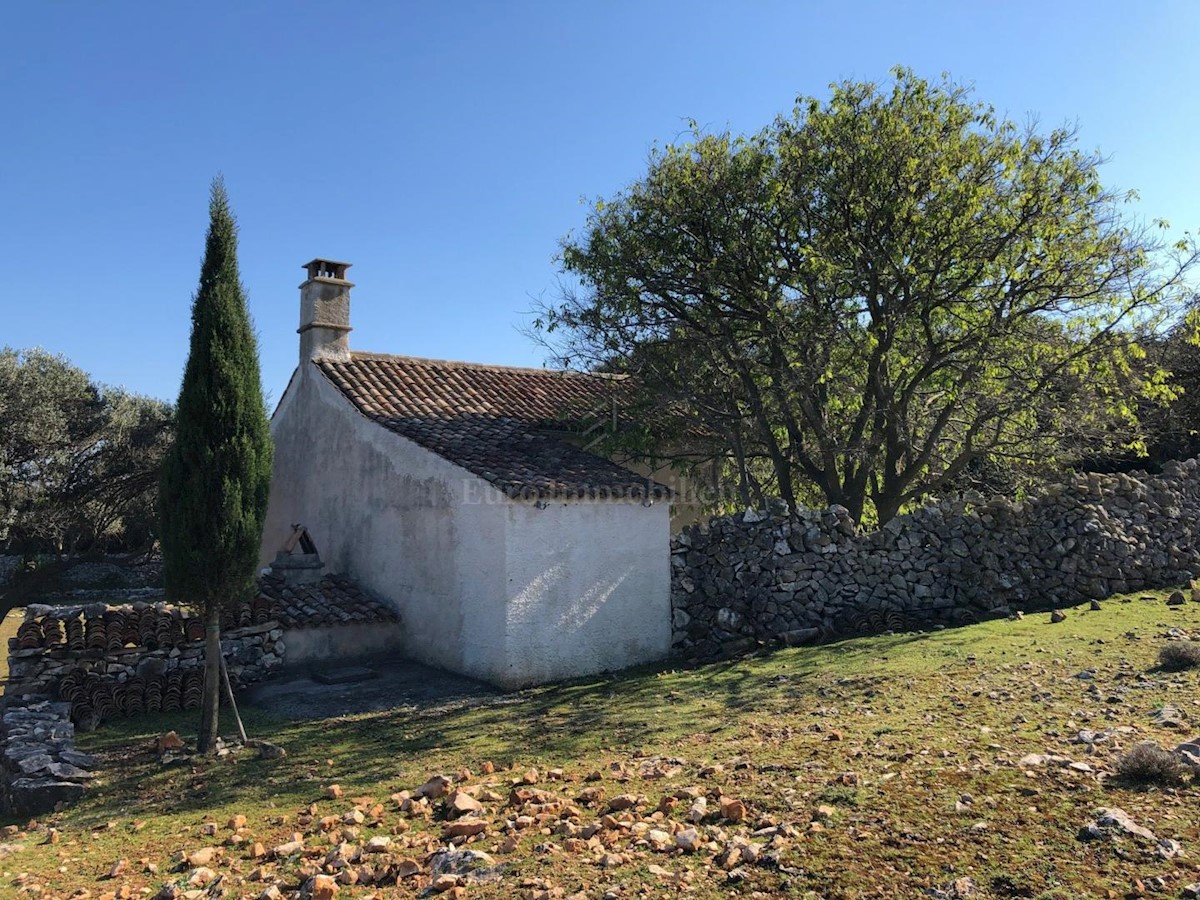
688, 840
434, 788
205, 856
267, 750
286, 849
467, 826
405, 868
622, 801
1168, 848
460, 803
321, 887
1112, 821
201, 877
474, 865
1167, 716
37, 796
733, 810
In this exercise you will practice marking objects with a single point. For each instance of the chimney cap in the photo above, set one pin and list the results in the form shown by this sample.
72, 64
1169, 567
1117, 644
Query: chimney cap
326, 268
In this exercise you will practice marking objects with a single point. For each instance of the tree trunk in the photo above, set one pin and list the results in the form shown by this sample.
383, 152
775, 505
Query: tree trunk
211, 706
887, 508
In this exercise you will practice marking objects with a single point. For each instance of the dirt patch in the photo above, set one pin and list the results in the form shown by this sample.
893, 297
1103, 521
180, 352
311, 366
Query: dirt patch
397, 685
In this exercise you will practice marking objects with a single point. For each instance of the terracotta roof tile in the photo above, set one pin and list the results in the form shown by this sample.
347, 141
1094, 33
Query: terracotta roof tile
334, 600
503, 424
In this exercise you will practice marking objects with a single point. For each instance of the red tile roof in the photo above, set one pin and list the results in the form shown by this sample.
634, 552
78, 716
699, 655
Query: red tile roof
503, 424
334, 600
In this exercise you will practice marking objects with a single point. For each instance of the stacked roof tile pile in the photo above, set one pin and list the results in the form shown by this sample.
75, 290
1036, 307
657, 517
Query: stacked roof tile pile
335, 600
111, 661
95, 698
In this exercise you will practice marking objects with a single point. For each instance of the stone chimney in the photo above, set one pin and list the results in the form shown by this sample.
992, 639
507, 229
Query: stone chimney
325, 312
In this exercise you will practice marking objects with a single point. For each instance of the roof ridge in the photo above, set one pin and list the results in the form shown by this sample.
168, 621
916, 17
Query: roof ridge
463, 364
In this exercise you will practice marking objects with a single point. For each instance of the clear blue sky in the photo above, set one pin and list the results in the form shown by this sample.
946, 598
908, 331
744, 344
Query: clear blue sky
444, 147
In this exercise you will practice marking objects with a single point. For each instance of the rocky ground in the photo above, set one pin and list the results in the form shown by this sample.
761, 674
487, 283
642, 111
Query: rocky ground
973, 762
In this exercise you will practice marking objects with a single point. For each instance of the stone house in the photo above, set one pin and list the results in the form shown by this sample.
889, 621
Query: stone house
464, 496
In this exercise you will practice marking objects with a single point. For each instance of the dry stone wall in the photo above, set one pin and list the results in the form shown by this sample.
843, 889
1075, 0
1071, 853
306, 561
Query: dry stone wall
765, 576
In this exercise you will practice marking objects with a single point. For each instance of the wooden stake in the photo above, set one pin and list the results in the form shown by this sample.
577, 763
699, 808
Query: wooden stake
232, 703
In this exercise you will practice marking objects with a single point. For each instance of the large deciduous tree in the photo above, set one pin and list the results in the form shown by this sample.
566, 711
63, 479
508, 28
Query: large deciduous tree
216, 478
871, 298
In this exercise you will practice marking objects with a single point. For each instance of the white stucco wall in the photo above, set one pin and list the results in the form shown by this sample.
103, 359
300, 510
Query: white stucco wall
486, 586
588, 587
389, 514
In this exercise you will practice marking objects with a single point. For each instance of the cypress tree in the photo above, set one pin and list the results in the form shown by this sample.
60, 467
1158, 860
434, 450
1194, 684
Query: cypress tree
216, 477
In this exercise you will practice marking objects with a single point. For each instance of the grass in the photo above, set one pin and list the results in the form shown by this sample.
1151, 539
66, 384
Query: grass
8, 629
912, 741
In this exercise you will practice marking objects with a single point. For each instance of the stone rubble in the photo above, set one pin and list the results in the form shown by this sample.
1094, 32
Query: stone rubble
40, 768
1115, 822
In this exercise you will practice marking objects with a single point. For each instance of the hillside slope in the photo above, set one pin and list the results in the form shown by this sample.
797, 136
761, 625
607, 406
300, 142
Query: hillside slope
893, 766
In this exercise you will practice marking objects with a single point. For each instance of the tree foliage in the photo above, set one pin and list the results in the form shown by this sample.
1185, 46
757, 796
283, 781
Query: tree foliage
216, 478
871, 298
79, 462
1174, 429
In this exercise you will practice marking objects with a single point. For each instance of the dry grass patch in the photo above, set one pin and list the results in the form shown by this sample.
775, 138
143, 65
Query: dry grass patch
1149, 764
1176, 656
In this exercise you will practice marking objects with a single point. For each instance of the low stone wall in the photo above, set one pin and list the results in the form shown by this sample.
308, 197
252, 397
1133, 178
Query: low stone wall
39, 767
107, 662
765, 576
80, 665
115, 660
